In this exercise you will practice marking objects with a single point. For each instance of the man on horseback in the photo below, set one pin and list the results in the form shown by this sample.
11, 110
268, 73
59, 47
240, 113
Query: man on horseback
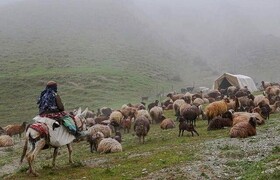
51, 106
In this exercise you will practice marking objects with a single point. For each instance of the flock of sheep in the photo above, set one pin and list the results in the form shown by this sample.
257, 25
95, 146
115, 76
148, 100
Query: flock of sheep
233, 107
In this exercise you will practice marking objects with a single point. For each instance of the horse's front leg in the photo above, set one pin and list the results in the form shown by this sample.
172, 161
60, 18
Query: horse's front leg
70, 149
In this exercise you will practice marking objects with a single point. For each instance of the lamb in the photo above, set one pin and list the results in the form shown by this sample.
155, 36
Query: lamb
221, 122
15, 129
126, 125
106, 145
141, 127
92, 131
6, 140
185, 126
244, 129
157, 114
216, 108
167, 124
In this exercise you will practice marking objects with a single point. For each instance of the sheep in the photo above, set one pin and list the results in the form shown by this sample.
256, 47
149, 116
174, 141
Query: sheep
141, 127
214, 94
272, 90
221, 122
106, 145
6, 140
100, 118
151, 105
174, 97
157, 114
118, 136
198, 101
116, 118
265, 84
106, 111
231, 90
216, 108
245, 103
90, 122
185, 126
167, 124
190, 114
274, 106
260, 99
177, 104
244, 129
106, 131
15, 129
245, 116
2, 131
126, 125
144, 113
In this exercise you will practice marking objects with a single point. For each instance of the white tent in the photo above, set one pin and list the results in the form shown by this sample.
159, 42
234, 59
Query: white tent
237, 80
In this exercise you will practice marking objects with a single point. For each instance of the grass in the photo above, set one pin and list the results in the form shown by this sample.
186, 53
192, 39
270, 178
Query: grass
162, 149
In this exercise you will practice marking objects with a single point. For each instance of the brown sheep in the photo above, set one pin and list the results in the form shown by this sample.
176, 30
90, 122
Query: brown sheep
244, 129
126, 125
167, 124
221, 122
216, 108
15, 129
272, 90
174, 97
141, 127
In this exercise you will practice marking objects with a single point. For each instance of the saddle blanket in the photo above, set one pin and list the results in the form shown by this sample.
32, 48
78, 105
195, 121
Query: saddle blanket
58, 136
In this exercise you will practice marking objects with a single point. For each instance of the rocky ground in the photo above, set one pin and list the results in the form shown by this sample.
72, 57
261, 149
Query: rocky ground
221, 157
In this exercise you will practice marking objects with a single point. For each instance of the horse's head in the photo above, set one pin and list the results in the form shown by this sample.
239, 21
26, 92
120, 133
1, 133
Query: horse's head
80, 119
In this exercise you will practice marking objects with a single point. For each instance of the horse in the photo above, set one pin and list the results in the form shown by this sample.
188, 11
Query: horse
47, 135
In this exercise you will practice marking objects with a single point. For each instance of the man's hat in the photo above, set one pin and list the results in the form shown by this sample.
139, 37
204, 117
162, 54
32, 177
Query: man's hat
51, 83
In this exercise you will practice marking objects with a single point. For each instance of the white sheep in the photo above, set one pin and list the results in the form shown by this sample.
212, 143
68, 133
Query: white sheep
6, 140
157, 114
106, 145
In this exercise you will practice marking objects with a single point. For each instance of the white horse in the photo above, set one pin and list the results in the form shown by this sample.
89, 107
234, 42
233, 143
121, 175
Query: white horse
49, 133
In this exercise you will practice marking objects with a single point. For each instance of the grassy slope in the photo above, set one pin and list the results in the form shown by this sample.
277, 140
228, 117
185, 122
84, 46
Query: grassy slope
162, 149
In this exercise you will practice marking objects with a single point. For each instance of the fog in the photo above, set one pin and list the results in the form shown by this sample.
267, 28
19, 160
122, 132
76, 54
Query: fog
218, 35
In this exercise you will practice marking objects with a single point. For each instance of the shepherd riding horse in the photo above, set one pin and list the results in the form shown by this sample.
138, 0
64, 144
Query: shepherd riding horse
49, 133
